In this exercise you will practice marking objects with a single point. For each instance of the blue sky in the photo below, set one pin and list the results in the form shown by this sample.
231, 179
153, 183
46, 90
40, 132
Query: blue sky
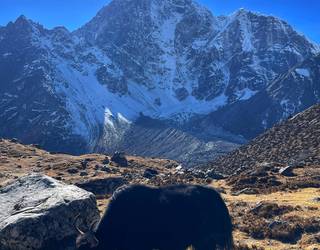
301, 14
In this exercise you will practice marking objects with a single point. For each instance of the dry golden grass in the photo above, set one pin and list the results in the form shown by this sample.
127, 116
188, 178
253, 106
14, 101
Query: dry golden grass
303, 199
17, 160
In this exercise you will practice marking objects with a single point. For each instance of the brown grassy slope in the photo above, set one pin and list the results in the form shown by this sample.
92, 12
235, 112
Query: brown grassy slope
97, 175
270, 209
295, 141
17, 160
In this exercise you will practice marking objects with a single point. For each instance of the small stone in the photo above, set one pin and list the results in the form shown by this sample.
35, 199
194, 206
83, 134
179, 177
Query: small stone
105, 169
287, 171
72, 170
83, 173
246, 191
179, 167
216, 176
316, 199
208, 180
96, 173
84, 164
106, 160
150, 173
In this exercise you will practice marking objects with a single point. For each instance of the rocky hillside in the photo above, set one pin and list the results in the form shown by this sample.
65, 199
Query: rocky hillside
273, 186
103, 172
170, 60
295, 142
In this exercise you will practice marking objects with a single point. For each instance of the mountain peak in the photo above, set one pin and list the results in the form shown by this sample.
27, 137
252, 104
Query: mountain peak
148, 56
24, 22
22, 19
246, 12
243, 10
138, 15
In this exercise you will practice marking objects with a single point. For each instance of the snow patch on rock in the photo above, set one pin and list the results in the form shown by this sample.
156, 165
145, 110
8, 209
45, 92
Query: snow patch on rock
245, 94
303, 72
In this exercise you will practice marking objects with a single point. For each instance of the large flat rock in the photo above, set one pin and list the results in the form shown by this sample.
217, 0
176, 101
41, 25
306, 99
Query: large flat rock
39, 212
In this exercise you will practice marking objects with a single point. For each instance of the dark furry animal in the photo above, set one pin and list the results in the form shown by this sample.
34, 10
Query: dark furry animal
166, 218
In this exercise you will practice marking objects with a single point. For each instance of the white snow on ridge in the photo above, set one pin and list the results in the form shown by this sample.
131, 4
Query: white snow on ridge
303, 72
246, 32
165, 37
6, 54
90, 104
245, 94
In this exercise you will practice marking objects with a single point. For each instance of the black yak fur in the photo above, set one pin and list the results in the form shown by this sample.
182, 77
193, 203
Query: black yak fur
166, 218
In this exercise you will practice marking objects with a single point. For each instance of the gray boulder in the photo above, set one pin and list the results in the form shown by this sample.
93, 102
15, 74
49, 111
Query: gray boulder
39, 212
287, 171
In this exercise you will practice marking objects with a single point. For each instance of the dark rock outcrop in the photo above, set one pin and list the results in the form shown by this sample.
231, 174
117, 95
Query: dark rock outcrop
104, 186
149, 173
120, 159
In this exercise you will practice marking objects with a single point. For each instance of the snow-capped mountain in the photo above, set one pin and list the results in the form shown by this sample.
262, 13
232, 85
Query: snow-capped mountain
299, 88
169, 60
288, 94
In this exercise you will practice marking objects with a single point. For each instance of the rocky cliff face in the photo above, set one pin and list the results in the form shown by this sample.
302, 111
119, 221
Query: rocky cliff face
299, 88
168, 60
182, 47
31, 108
290, 93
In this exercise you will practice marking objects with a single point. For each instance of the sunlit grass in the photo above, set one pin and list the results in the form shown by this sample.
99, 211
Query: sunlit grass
303, 198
